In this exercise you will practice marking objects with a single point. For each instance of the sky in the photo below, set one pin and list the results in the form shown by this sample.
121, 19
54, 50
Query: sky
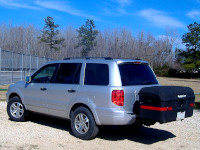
153, 16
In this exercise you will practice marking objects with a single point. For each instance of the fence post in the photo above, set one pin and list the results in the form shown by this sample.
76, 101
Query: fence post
22, 69
0, 59
37, 62
30, 66
44, 61
0, 66
12, 66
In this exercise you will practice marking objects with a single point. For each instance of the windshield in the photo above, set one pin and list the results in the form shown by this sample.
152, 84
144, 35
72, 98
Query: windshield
136, 74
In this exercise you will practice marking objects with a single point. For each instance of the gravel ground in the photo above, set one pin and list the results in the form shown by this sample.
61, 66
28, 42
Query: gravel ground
42, 132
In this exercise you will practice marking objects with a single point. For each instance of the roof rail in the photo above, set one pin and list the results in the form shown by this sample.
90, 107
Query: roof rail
106, 58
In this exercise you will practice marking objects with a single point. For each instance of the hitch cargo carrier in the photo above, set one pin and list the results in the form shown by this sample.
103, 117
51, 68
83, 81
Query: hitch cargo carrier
166, 103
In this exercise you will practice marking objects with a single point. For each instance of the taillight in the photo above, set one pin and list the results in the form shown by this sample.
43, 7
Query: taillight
118, 97
192, 105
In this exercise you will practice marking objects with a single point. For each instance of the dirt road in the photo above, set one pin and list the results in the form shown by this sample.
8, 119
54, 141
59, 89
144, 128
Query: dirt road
42, 132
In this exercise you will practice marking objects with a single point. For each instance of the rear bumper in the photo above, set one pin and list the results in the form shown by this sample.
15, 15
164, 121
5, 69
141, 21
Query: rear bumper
114, 116
165, 114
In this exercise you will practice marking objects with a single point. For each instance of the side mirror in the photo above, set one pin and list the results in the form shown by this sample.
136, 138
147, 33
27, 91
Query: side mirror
28, 79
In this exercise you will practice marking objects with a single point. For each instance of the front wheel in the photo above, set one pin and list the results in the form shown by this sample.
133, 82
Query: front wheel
83, 124
15, 109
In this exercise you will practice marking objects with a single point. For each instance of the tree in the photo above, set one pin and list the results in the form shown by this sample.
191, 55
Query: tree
50, 35
87, 35
190, 58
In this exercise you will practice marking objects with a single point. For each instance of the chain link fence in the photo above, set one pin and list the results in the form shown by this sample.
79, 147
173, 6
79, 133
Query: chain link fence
15, 66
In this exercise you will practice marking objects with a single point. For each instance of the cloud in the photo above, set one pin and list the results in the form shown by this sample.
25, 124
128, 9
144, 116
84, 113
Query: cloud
14, 4
160, 19
123, 2
40, 4
63, 7
198, 1
117, 8
195, 14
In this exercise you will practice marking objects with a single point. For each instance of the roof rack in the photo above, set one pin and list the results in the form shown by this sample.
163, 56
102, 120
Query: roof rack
106, 58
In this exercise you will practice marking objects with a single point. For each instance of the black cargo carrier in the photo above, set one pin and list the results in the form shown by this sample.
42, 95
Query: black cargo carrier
166, 103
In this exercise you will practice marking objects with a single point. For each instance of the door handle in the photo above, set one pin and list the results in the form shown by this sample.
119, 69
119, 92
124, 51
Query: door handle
71, 91
43, 89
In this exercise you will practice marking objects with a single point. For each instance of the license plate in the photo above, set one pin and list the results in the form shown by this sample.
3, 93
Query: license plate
180, 115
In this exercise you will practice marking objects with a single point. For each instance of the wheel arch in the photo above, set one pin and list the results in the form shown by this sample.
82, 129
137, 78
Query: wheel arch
75, 106
13, 95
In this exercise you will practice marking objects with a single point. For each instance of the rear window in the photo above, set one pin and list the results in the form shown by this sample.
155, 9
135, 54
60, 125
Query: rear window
136, 74
96, 74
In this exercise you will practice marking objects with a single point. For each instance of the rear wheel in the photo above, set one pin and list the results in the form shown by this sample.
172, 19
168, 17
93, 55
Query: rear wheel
83, 124
15, 109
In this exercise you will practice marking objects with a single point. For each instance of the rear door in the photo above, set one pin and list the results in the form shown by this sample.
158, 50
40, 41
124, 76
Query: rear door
135, 76
64, 88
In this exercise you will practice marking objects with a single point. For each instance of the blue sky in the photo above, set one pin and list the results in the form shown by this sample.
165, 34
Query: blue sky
152, 16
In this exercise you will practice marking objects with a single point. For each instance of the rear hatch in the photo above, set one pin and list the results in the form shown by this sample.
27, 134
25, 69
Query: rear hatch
134, 76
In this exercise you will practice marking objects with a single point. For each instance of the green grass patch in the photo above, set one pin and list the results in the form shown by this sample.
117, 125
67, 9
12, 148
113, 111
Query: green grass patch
33, 147
2, 100
3, 89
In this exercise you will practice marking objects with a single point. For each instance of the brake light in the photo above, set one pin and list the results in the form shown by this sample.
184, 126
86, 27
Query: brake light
192, 105
137, 62
118, 97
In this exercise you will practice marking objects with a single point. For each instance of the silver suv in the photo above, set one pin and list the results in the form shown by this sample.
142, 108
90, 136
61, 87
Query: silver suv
88, 91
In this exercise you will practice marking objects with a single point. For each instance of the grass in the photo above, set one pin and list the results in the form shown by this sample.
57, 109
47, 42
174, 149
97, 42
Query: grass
20, 148
3, 89
33, 147
192, 83
4, 86
2, 95
197, 98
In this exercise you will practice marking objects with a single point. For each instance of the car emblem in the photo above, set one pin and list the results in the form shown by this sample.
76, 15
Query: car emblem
181, 96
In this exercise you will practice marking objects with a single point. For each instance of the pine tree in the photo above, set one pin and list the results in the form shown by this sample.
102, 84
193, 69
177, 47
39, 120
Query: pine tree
87, 35
190, 58
50, 35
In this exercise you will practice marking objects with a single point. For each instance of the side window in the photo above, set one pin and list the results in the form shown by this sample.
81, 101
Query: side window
96, 74
44, 75
69, 73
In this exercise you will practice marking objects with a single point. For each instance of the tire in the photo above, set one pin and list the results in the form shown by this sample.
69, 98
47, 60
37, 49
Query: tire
83, 124
16, 110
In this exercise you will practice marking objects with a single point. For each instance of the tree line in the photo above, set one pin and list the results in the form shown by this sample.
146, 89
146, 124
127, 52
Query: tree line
55, 43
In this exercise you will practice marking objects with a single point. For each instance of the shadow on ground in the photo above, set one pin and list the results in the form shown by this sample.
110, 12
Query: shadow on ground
50, 121
144, 135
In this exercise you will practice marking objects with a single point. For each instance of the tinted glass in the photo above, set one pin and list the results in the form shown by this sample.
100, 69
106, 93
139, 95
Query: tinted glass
96, 74
68, 73
44, 75
136, 74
